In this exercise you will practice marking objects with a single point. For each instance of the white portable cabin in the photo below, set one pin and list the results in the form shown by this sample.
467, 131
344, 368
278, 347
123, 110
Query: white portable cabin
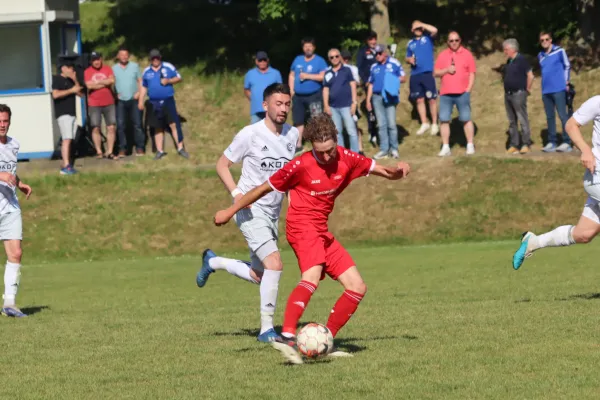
33, 33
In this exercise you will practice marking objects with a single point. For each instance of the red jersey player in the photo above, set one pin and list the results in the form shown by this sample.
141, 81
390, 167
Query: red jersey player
313, 182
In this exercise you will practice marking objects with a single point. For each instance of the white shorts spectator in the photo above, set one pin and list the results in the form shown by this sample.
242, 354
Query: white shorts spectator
11, 226
261, 233
68, 126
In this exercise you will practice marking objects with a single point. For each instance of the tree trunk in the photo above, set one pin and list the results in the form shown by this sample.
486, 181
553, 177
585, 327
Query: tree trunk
589, 29
380, 20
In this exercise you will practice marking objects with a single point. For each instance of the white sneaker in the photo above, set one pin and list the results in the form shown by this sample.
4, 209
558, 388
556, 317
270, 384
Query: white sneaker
423, 129
470, 148
380, 155
395, 154
445, 152
435, 129
564, 148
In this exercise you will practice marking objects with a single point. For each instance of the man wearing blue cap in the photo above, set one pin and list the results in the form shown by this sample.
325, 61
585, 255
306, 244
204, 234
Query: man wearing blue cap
255, 82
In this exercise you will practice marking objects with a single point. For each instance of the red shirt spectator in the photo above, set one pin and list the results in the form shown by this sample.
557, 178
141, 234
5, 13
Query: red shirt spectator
464, 62
99, 97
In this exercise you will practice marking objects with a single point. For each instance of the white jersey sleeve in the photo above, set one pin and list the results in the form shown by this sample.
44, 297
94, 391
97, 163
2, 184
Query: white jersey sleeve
240, 146
588, 111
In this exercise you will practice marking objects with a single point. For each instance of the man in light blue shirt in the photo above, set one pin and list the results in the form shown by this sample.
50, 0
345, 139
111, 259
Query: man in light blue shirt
127, 84
255, 82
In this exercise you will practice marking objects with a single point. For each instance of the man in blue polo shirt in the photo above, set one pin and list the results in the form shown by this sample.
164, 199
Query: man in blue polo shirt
556, 69
157, 81
305, 81
255, 83
339, 98
383, 101
419, 54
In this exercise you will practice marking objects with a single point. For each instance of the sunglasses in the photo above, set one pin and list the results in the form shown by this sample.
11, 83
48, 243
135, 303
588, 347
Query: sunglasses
453, 40
263, 60
334, 57
544, 40
378, 54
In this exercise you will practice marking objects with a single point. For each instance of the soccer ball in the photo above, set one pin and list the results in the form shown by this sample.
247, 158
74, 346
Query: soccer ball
314, 340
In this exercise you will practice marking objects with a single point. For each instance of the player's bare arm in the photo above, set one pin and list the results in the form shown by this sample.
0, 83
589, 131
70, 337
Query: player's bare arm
223, 170
223, 216
26, 189
9, 178
401, 170
587, 157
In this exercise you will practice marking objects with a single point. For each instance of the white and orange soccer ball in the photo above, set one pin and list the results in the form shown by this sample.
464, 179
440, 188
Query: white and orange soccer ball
314, 340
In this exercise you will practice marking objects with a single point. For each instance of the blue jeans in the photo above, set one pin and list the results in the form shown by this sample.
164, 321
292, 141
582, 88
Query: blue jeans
556, 101
130, 108
254, 118
386, 118
462, 102
342, 118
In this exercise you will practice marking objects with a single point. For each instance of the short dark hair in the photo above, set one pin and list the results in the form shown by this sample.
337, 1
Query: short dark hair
275, 88
5, 109
308, 39
320, 128
542, 33
372, 35
123, 48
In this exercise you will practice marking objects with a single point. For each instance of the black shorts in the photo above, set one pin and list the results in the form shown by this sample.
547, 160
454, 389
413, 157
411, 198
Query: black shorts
306, 104
423, 86
161, 114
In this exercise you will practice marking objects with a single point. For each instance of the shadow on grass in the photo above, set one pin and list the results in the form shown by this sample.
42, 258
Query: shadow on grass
583, 296
34, 309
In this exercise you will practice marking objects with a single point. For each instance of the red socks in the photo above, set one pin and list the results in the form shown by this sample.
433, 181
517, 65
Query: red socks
297, 303
343, 310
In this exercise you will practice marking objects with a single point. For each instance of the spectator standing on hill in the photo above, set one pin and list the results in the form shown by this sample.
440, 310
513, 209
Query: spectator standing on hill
556, 69
419, 54
128, 82
255, 83
383, 94
518, 79
305, 81
347, 57
65, 89
339, 98
157, 81
364, 60
456, 67
99, 79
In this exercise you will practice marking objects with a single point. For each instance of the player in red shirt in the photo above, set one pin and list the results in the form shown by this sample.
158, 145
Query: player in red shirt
313, 182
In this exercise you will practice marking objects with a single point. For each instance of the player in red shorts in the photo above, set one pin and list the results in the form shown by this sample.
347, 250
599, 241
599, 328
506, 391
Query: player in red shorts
313, 182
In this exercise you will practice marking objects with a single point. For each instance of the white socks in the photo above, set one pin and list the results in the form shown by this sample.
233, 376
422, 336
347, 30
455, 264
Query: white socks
561, 236
234, 267
269, 286
11, 283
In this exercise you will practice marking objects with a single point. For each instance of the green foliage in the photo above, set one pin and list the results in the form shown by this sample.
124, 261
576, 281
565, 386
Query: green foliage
98, 30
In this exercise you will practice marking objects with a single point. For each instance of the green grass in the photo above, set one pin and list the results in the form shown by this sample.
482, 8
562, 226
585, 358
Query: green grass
447, 321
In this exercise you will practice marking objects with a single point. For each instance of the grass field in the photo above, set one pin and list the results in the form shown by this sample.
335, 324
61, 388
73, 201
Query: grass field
439, 322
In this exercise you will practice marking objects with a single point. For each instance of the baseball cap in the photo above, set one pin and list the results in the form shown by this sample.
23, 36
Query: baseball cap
95, 55
262, 55
380, 48
345, 54
154, 53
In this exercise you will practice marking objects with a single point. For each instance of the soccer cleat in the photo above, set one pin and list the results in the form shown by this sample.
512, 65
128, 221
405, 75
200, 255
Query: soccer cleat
288, 349
549, 148
424, 128
525, 150
380, 155
206, 270
435, 129
564, 148
521, 254
445, 152
268, 336
512, 150
13, 312
470, 149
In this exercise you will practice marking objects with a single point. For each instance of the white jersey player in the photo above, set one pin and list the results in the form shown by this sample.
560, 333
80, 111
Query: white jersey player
11, 225
589, 224
262, 148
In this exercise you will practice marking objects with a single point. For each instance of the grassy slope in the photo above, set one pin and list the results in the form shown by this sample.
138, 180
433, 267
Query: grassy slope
450, 321
168, 210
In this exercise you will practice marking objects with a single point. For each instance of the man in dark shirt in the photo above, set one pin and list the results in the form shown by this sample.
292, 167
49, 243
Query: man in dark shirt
65, 89
518, 79
365, 58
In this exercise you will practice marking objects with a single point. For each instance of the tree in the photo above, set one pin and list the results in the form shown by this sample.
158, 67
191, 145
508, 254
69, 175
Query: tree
380, 19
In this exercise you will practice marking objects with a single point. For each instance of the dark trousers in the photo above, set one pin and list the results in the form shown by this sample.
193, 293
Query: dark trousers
516, 110
129, 108
171, 105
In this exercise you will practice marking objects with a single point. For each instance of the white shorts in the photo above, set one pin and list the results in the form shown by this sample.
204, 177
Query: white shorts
591, 184
11, 226
261, 233
68, 126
